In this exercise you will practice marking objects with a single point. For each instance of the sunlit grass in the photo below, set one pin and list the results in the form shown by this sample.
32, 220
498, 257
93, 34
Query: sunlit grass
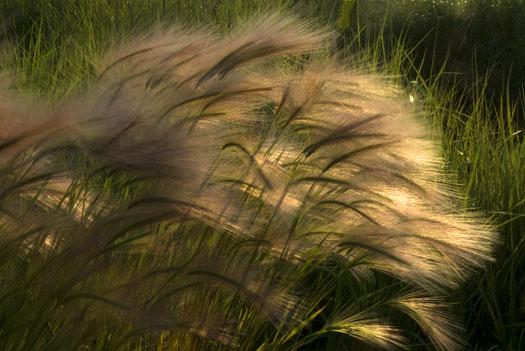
103, 189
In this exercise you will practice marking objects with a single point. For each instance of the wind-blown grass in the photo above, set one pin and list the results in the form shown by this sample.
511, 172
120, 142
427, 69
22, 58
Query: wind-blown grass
201, 191
465, 63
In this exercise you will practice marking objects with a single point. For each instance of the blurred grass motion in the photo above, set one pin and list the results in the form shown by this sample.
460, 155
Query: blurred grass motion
240, 188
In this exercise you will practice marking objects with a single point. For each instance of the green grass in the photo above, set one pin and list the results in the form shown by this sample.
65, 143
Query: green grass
466, 63
37, 34
474, 99
472, 88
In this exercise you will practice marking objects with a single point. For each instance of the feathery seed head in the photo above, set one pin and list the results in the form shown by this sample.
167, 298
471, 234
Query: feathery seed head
288, 161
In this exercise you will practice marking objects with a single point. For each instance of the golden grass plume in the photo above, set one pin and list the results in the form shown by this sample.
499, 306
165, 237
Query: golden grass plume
240, 146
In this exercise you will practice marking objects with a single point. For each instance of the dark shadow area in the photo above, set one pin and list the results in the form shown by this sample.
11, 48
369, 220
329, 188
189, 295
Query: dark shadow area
474, 47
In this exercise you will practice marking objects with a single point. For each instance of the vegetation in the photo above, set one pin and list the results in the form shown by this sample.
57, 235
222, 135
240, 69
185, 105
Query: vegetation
237, 187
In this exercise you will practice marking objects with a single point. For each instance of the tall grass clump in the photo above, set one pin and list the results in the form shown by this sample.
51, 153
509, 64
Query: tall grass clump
229, 191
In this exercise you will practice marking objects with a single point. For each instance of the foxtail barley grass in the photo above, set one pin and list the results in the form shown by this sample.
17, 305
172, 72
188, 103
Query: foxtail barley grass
197, 193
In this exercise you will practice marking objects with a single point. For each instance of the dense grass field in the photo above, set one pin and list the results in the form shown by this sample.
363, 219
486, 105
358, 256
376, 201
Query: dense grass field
110, 241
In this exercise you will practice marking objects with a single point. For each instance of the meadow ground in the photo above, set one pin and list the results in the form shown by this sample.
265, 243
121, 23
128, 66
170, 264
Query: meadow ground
139, 284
